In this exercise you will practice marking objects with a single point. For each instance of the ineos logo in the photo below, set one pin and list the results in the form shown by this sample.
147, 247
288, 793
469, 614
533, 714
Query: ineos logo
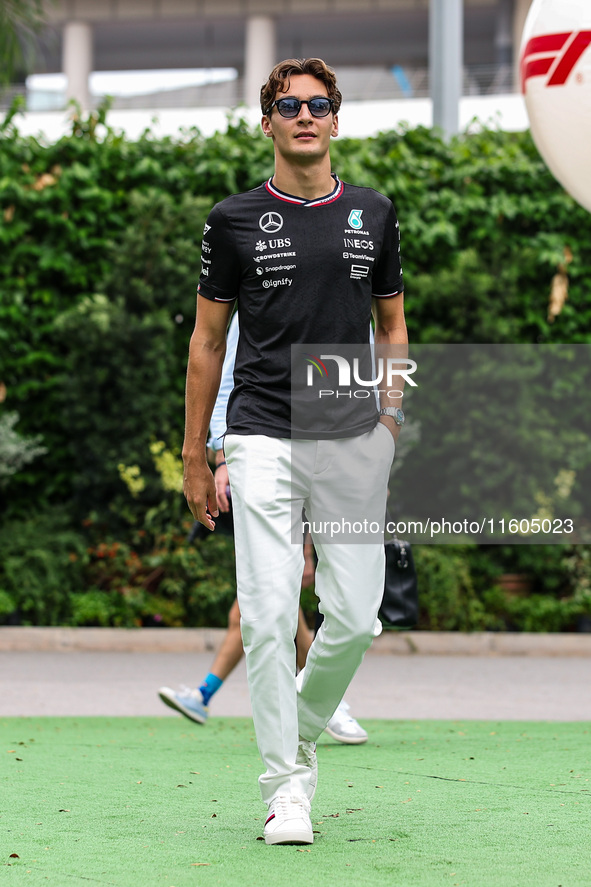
271, 222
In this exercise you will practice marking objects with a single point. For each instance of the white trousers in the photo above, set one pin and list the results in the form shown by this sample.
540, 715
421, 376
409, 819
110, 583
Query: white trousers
271, 480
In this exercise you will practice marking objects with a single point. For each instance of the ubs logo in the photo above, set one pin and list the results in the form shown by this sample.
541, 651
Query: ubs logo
271, 222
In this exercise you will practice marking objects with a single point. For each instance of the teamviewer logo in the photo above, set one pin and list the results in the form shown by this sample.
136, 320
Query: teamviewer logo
553, 54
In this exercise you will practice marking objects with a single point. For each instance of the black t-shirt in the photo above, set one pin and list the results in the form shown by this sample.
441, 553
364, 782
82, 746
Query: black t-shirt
303, 271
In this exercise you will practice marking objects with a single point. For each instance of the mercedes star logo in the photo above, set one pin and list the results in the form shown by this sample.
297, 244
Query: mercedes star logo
271, 222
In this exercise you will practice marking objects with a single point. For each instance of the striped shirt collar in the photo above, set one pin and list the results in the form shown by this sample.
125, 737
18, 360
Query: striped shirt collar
320, 201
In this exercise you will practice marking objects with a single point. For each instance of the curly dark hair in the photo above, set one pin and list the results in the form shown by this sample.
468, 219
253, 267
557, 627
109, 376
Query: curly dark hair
279, 80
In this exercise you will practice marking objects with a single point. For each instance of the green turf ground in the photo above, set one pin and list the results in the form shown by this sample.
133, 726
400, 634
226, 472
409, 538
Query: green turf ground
157, 802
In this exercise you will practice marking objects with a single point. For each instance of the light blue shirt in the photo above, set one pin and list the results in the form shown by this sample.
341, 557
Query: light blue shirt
217, 425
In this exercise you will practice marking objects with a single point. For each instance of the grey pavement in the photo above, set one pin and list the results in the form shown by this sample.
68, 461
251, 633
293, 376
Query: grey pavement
440, 686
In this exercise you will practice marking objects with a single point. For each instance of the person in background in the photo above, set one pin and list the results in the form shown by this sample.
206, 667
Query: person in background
194, 702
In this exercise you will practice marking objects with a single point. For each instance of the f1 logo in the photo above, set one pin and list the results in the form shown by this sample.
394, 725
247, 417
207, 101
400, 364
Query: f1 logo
554, 53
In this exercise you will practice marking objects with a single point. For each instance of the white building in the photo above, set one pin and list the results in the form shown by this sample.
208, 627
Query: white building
391, 57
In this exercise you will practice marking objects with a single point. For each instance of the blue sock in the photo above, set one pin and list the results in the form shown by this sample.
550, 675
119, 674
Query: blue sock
210, 685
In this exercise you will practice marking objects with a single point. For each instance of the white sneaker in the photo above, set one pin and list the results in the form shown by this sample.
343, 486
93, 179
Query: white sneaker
344, 728
289, 821
307, 756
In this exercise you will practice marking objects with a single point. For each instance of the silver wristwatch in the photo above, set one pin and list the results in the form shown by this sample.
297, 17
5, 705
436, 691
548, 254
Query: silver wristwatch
394, 413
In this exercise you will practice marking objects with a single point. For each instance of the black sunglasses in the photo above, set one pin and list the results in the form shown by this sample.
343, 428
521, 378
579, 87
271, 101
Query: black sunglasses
290, 107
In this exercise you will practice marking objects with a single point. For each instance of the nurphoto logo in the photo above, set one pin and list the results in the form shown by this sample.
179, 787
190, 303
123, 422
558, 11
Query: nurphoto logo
386, 370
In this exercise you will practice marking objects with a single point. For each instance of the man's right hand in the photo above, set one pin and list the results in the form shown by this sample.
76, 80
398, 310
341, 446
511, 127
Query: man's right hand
199, 490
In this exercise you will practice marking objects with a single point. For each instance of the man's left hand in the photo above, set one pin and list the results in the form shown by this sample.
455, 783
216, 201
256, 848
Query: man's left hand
391, 425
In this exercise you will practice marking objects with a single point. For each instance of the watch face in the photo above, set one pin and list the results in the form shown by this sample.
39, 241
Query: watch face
395, 413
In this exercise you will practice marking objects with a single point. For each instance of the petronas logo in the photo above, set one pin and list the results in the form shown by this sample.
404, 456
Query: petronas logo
354, 220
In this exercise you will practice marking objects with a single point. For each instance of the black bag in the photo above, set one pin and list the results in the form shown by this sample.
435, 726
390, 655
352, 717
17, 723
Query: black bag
400, 604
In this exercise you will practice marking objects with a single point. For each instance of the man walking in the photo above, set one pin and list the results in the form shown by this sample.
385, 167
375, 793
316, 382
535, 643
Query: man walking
306, 256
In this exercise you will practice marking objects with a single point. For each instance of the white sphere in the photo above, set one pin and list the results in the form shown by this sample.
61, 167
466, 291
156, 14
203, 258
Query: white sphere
556, 82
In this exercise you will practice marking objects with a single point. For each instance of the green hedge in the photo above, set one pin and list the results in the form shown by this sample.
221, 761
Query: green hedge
100, 252
52, 574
